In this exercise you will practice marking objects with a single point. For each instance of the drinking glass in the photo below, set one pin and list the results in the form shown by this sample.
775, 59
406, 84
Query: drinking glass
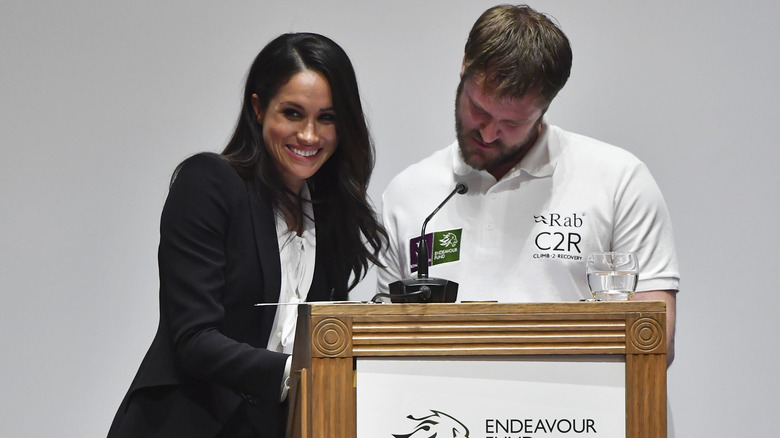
612, 276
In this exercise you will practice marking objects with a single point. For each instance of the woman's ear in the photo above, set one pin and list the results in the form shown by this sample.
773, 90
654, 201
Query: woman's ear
258, 110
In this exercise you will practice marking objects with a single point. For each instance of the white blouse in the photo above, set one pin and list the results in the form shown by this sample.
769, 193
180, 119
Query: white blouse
297, 257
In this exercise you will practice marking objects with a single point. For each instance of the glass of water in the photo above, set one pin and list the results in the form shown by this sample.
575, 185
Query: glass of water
612, 276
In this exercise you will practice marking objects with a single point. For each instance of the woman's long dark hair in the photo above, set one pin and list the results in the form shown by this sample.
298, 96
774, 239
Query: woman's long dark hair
346, 221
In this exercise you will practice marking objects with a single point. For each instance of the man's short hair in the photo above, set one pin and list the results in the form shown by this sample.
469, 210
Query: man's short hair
515, 49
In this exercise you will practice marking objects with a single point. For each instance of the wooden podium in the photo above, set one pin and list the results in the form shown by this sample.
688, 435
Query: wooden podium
330, 339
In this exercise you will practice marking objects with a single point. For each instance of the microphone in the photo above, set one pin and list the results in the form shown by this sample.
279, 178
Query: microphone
422, 249
425, 289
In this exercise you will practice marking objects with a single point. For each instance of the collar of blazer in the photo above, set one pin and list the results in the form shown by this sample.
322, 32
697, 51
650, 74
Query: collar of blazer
264, 228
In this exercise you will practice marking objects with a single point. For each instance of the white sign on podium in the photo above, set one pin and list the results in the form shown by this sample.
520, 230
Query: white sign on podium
490, 398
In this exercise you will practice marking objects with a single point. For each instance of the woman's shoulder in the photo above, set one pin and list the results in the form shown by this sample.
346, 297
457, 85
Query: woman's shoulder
207, 174
203, 184
204, 162
206, 167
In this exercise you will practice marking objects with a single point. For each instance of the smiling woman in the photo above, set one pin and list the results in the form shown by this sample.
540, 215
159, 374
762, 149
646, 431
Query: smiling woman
281, 216
299, 127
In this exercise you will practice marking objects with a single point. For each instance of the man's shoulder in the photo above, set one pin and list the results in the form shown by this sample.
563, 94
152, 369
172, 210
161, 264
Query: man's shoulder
585, 149
425, 175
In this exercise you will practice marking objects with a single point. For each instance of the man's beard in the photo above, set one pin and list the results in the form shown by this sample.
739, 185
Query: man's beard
506, 154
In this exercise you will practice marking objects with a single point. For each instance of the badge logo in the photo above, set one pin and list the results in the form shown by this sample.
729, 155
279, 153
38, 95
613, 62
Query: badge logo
450, 240
436, 425
444, 247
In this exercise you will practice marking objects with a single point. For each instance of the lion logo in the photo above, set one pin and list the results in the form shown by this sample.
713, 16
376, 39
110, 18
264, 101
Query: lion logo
450, 240
436, 425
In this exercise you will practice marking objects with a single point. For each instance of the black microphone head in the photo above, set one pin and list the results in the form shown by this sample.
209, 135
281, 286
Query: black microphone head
462, 188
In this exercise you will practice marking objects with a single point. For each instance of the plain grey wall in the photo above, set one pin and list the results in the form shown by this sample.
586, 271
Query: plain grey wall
100, 100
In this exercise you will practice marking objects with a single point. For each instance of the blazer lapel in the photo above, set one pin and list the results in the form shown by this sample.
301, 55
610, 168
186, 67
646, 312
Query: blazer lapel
264, 227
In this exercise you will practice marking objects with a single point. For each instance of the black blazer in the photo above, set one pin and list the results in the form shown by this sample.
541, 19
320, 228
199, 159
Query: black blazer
218, 256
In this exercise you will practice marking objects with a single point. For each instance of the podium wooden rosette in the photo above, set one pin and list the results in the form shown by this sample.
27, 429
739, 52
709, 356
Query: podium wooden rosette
332, 338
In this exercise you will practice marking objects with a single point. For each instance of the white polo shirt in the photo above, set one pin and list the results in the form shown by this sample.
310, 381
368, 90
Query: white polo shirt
526, 237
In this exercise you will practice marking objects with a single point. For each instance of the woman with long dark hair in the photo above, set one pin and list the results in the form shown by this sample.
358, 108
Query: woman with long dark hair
281, 216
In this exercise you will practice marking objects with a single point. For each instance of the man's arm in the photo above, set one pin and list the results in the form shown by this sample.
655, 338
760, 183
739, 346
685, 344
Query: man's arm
670, 297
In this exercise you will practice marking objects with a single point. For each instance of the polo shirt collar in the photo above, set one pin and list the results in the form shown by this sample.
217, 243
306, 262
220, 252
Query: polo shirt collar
539, 162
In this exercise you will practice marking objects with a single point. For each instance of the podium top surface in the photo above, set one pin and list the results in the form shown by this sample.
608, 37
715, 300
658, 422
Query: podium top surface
485, 308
